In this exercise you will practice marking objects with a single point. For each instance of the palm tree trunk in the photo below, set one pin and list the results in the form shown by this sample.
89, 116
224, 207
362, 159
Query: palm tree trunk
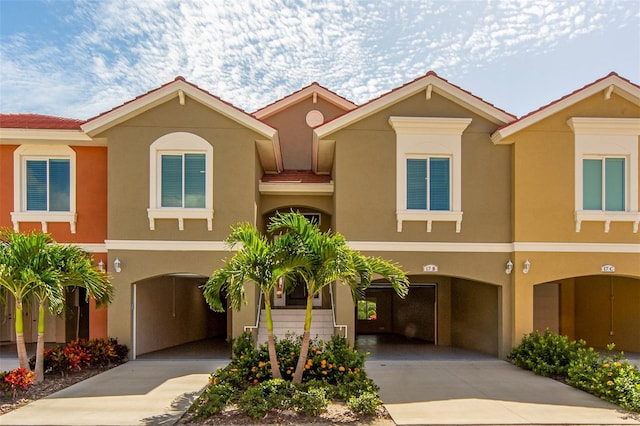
40, 345
20, 347
304, 348
271, 341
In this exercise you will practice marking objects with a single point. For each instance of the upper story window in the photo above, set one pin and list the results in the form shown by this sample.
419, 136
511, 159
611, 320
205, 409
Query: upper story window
606, 163
429, 184
429, 169
44, 190
181, 179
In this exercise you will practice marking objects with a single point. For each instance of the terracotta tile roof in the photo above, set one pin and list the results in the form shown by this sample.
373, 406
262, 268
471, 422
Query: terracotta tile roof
178, 78
542, 108
429, 73
284, 99
37, 121
296, 176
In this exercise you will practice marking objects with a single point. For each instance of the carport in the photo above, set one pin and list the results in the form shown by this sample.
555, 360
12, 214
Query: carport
169, 311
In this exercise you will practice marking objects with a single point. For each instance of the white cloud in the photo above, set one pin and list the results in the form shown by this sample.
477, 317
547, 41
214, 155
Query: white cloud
252, 53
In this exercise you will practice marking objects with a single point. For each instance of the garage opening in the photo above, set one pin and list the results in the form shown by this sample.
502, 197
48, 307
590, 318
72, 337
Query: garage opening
170, 311
382, 312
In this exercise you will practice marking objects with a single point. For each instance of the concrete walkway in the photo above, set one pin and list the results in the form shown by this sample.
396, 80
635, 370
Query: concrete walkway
136, 393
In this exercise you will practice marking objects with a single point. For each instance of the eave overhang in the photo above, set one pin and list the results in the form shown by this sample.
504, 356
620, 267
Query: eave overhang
12, 136
608, 86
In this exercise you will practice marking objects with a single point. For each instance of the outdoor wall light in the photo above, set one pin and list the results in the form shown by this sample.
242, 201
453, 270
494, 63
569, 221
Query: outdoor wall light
101, 266
509, 267
526, 266
117, 264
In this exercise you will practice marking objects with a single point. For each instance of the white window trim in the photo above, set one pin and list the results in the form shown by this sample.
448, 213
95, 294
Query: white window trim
179, 143
607, 137
20, 213
422, 137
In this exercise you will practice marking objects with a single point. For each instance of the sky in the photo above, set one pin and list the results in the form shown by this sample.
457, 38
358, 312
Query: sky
77, 59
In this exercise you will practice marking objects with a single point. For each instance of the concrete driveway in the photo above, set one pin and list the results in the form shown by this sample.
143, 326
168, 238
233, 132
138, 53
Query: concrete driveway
484, 392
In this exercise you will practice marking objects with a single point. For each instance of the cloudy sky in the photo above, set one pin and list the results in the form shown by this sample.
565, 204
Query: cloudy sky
79, 58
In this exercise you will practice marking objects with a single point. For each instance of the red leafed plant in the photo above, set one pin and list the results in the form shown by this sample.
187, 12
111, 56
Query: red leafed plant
17, 379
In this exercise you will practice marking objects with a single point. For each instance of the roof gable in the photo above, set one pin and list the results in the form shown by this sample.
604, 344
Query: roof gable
181, 90
608, 85
429, 83
312, 90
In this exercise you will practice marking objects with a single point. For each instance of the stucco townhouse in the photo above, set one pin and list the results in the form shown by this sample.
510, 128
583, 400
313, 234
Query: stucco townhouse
504, 224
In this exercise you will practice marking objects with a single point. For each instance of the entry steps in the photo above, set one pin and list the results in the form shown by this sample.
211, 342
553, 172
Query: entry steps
287, 321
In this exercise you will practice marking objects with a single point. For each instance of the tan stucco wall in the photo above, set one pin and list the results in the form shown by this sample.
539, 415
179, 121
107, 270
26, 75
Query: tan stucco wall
544, 169
474, 316
365, 176
234, 180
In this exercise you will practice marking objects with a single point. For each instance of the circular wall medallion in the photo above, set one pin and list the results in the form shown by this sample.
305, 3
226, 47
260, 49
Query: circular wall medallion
314, 118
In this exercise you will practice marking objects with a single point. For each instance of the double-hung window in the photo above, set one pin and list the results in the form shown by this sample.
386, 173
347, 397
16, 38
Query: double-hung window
180, 179
429, 183
606, 170
429, 169
45, 185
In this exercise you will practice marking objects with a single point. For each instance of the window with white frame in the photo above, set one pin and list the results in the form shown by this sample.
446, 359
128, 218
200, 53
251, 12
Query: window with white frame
180, 179
429, 169
606, 178
44, 176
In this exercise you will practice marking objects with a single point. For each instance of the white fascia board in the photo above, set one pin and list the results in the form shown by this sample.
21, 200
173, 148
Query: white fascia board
302, 95
170, 91
439, 86
154, 245
296, 188
52, 136
621, 87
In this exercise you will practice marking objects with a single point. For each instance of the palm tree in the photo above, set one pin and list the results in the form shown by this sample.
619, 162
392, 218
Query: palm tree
70, 266
34, 266
257, 261
22, 257
329, 258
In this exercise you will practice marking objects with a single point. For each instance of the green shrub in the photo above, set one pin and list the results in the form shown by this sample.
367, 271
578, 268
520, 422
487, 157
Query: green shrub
355, 385
333, 361
213, 400
547, 355
608, 377
312, 402
258, 400
367, 403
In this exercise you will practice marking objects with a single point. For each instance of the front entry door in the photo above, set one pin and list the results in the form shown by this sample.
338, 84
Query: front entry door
297, 297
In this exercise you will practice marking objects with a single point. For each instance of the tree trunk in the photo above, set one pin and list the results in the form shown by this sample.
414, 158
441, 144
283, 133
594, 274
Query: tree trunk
271, 342
304, 348
20, 346
40, 345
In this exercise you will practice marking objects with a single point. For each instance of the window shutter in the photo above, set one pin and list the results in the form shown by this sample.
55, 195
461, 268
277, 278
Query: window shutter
37, 185
171, 192
592, 184
439, 184
194, 180
59, 185
614, 184
416, 184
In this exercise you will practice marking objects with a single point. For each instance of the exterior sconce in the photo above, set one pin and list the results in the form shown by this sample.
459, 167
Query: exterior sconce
101, 266
509, 267
526, 266
117, 265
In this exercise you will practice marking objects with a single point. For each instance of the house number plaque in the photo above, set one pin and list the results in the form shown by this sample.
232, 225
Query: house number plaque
430, 268
608, 268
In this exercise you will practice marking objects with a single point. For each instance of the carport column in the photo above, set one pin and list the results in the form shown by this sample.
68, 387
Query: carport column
246, 316
345, 310
505, 316
522, 298
119, 320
